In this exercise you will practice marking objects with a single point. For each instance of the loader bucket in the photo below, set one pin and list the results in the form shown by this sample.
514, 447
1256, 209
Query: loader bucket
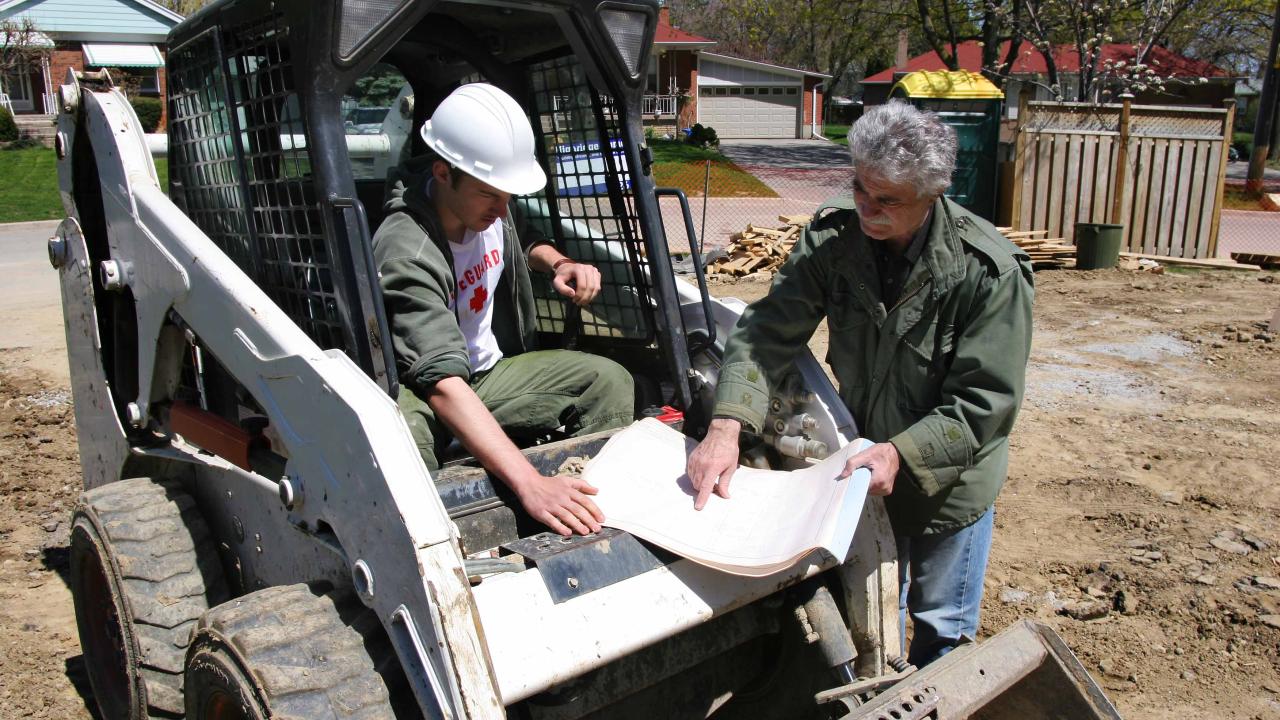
1026, 671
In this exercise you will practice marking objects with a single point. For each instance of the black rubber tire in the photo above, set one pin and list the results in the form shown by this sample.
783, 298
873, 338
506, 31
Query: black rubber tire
144, 568
290, 652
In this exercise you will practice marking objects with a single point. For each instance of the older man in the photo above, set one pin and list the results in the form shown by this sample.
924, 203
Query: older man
929, 310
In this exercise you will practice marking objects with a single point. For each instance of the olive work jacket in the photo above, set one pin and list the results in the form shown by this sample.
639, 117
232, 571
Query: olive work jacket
415, 267
940, 374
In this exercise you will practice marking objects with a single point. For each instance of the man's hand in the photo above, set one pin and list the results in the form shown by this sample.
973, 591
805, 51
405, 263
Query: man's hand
713, 462
577, 281
561, 503
882, 459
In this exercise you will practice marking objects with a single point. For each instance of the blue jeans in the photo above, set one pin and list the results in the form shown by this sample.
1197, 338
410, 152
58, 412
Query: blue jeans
940, 586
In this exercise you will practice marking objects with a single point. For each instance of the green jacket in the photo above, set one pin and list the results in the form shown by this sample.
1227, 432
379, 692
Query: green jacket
940, 374
416, 271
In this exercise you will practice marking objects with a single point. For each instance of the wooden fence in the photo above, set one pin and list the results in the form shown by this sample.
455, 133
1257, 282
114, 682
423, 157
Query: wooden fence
1167, 192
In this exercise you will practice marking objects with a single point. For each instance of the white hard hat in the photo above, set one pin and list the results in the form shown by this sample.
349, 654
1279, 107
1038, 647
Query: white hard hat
482, 131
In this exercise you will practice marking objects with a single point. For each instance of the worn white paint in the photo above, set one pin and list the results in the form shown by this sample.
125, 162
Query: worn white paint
348, 448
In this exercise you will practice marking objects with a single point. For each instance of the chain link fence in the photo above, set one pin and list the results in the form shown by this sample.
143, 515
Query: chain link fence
754, 182
748, 183
1255, 232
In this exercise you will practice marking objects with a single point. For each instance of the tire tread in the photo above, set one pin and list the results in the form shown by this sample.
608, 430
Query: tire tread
304, 651
158, 538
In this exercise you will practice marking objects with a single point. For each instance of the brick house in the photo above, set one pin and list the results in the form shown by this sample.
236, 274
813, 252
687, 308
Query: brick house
129, 35
740, 98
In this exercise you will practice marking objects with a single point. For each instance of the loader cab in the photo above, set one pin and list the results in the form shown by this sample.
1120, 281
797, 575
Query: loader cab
288, 129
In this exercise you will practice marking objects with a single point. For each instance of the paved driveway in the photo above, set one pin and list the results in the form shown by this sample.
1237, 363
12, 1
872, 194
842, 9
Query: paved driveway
1239, 170
786, 154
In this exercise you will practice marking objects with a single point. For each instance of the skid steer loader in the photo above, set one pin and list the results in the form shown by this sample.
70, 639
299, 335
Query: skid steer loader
258, 535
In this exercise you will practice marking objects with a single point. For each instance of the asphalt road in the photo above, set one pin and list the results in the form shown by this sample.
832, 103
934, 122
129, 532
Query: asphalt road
31, 304
1239, 170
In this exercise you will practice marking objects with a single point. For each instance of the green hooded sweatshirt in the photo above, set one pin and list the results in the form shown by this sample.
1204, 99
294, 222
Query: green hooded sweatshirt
939, 374
416, 271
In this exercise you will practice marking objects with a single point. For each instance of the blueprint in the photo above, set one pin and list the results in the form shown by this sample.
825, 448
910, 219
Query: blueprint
772, 520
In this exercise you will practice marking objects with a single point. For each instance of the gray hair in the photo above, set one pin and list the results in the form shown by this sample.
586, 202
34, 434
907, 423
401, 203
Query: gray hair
904, 144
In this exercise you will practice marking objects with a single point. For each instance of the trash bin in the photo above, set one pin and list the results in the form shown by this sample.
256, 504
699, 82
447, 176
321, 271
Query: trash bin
970, 104
1097, 245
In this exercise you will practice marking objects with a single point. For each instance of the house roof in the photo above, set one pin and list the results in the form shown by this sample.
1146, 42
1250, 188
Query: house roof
1030, 62
729, 59
668, 34
105, 20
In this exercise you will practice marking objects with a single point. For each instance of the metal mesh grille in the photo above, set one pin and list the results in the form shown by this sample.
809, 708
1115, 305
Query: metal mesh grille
589, 199
202, 157
296, 269
233, 105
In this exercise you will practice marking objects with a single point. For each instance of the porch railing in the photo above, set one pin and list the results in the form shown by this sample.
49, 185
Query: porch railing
659, 105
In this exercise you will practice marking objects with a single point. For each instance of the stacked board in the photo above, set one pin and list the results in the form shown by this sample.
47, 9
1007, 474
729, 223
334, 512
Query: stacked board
1045, 252
758, 250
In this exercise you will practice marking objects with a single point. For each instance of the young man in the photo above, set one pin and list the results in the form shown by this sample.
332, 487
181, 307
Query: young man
929, 310
455, 281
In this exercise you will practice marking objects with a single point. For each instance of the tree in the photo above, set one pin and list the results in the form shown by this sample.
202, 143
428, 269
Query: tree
22, 47
184, 7
1232, 34
1084, 27
839, 38
988, 21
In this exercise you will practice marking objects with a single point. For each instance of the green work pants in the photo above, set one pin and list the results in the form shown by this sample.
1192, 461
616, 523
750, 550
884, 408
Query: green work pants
532, 394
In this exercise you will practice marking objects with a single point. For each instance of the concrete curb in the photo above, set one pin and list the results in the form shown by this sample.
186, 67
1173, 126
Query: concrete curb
25, 223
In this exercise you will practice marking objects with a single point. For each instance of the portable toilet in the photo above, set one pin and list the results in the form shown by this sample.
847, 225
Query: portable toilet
969, 103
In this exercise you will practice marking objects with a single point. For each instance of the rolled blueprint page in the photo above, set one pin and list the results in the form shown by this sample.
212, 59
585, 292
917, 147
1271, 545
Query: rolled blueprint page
772, 520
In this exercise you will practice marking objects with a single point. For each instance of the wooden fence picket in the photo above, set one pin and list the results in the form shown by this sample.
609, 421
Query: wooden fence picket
1158, 170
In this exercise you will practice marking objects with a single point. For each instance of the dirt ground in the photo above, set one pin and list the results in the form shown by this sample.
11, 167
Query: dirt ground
1139, 519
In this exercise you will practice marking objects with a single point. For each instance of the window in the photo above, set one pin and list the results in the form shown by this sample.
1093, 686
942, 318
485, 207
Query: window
791, 91
735, 91
748, 91
722, 91
378, 103
705, 92
779, 91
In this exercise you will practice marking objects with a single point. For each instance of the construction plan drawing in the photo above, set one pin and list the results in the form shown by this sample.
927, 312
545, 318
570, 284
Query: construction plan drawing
771, 521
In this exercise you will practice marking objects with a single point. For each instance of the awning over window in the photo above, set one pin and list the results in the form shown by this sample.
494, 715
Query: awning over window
122, 55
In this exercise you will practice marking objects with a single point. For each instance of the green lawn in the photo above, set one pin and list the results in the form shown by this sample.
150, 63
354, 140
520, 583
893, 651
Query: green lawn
680, 165
1238, 198
836, 133
29, 185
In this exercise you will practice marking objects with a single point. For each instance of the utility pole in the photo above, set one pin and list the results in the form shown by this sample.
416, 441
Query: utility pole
1266, 112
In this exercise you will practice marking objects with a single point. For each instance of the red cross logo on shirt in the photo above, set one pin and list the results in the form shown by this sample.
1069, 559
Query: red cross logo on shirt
477, 300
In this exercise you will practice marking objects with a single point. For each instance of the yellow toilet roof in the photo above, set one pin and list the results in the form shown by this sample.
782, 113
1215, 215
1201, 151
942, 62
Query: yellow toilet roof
952, 85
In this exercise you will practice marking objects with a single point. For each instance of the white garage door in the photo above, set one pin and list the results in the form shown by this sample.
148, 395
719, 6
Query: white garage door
750, 112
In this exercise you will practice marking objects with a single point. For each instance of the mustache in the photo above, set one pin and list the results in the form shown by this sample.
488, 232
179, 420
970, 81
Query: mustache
880, 222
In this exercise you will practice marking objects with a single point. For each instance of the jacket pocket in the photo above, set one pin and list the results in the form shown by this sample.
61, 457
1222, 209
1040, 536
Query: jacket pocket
923, 365
844, 312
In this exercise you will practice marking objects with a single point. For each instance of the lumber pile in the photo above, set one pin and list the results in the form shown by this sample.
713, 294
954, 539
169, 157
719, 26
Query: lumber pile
1266, 261
1045, 252
758, 250
1207, 263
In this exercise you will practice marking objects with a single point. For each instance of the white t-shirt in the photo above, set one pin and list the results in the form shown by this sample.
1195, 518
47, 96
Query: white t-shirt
477, 267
